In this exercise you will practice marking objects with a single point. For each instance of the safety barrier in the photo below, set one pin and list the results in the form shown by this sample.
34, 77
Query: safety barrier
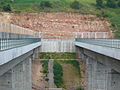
14, 43
113, 43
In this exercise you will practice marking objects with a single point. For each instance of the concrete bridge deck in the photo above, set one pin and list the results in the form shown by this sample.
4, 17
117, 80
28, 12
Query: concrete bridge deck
102, 58
108, 47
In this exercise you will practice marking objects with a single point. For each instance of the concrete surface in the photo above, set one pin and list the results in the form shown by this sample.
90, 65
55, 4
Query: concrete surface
11, 54
18, 78
111, 52
51, 74
57, 45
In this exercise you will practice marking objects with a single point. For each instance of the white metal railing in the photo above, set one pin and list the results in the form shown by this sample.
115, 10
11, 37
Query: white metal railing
113, 43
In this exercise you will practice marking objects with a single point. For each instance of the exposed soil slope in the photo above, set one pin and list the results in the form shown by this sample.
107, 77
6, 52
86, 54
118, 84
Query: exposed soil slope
60, 25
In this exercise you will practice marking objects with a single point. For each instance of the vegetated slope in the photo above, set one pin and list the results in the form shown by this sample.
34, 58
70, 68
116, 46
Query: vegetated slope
86, 7
61, 25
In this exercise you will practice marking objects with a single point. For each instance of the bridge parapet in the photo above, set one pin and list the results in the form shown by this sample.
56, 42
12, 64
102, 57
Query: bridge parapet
107, 47
112, 43
9, 43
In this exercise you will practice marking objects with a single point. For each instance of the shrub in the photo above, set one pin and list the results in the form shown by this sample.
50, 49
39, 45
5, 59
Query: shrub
45, 4
79, 89
99, 3
58, 74
75, 5
45, 66
118, 4
111, 3
7, 8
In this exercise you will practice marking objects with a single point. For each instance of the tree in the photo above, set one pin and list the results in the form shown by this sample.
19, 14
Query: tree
111, 3
75, 5
99, 3
45, 4
118, 3
7, 8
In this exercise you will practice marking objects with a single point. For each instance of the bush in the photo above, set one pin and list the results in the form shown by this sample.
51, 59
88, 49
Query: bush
45, 4
7, 8
99, 3
75, 5
45, 66
111, 3
58, 74
119, 4
79, 89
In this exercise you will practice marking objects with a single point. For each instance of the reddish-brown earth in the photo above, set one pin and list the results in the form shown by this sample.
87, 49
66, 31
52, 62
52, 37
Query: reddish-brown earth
60, 25
37, 75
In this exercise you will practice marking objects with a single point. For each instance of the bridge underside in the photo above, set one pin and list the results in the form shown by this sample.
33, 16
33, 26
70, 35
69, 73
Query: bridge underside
16, 74
103, 73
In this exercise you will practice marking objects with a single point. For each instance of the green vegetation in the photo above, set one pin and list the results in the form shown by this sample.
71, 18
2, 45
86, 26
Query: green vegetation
71, 73
7, 8
5, 5
75, 5
99, 3
112, 3
45, 66
75, 64
109, 9
58, 74
80, 89
57, 55
45, 4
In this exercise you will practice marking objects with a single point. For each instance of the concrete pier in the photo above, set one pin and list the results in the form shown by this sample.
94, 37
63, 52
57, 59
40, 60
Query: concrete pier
98, 76
103, 72
17, 78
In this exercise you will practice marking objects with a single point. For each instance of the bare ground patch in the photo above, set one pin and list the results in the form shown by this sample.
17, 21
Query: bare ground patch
70, 76
37, 75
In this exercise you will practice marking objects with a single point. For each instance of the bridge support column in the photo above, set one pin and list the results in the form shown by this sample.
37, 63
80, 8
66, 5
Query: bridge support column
36, 53
98, 76
18, 78
6, 81
115, 85
21, 76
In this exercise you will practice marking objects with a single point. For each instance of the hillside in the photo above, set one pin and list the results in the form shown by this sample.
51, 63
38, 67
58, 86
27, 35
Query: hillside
61, 25
86, 7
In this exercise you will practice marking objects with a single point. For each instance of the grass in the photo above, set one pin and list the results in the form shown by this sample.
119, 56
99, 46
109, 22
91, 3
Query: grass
75, 64
45, 66
71, 73
67, 73
88, 7
57, 55
58, 75
80, 89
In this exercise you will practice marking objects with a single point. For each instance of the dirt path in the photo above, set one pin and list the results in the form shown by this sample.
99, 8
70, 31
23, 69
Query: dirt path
37, 75
70, 76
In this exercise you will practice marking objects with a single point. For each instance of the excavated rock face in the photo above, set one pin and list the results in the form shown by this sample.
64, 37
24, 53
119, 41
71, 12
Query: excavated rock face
60, 25
5, 17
